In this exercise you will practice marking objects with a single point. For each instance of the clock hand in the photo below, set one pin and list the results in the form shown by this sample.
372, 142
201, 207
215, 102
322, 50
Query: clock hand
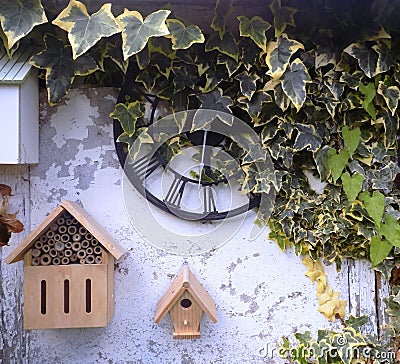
201, 165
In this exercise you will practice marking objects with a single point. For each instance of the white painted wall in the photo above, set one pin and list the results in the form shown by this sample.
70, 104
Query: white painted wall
261, 293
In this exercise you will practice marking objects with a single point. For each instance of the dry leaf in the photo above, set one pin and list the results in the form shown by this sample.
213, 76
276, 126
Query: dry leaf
11, 222
4, 235
5, 190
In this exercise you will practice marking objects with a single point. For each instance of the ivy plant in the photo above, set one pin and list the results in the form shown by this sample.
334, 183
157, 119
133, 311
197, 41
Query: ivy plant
320, 88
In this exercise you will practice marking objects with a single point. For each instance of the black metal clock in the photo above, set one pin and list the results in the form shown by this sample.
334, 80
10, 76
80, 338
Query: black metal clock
190, 183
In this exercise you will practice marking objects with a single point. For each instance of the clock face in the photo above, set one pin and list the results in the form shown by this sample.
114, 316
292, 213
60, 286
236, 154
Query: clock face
190, 164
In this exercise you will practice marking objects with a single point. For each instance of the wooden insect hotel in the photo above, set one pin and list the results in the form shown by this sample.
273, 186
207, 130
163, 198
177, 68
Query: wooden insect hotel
186, 300
68, 271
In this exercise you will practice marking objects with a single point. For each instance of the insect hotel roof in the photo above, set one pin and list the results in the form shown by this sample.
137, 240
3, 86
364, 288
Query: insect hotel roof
104, 238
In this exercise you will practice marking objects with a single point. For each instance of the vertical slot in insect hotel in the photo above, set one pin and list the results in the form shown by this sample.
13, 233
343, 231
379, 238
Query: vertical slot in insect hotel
68, 271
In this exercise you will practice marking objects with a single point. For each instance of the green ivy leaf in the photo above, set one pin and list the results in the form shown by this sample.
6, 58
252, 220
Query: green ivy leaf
255, 29
60, 68
351, 139
352, 185
279, 53
369, 92
222, 10
307, 137
85, 30
391, 95
337, 162
248, 83
183, 37
294, 82
283, 16
390, 229
226, 45
367, 58
18, 18
136, 32
374, 205
127, 115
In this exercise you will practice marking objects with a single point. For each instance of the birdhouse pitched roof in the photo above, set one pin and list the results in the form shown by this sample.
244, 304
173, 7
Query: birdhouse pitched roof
186, 281
104, 238
17, 68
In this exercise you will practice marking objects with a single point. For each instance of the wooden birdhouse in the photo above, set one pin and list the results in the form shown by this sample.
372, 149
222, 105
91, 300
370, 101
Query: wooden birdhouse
68, 271
186, 300
19, 104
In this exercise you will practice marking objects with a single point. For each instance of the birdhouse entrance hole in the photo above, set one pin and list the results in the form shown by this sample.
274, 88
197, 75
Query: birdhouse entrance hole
186, 303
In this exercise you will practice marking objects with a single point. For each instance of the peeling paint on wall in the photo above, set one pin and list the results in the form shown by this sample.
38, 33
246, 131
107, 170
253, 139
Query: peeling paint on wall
261, 293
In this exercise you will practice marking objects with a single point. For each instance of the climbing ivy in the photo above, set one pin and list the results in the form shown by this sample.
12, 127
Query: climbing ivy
319, 82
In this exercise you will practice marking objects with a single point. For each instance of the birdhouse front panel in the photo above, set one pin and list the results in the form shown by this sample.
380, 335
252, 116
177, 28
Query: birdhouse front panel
186, 314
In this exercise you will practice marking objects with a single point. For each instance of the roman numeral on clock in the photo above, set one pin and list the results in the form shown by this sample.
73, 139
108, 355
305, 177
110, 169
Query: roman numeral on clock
175, 192
145, 166
209, 202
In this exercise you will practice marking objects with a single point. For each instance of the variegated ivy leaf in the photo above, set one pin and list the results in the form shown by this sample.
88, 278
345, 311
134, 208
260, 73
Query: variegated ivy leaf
183, 37
216, 101
85, 30
248, 83
283, 16
60, 68
250, 53
148, 77
127, 115
307, 137
280, 97
226, 44
369, 93
136, 31
352, 185
142, 58
391, 124
279, 53
222, 10
374, 205
161, 45
255, 29
184, 77
321, 161
385, 58
231, 65
367, 58
337, 162
255, 105
351, 138
351, 80
18, 18
378, 34
391, 95
379, 249
162, 63
294, 82
324, 56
